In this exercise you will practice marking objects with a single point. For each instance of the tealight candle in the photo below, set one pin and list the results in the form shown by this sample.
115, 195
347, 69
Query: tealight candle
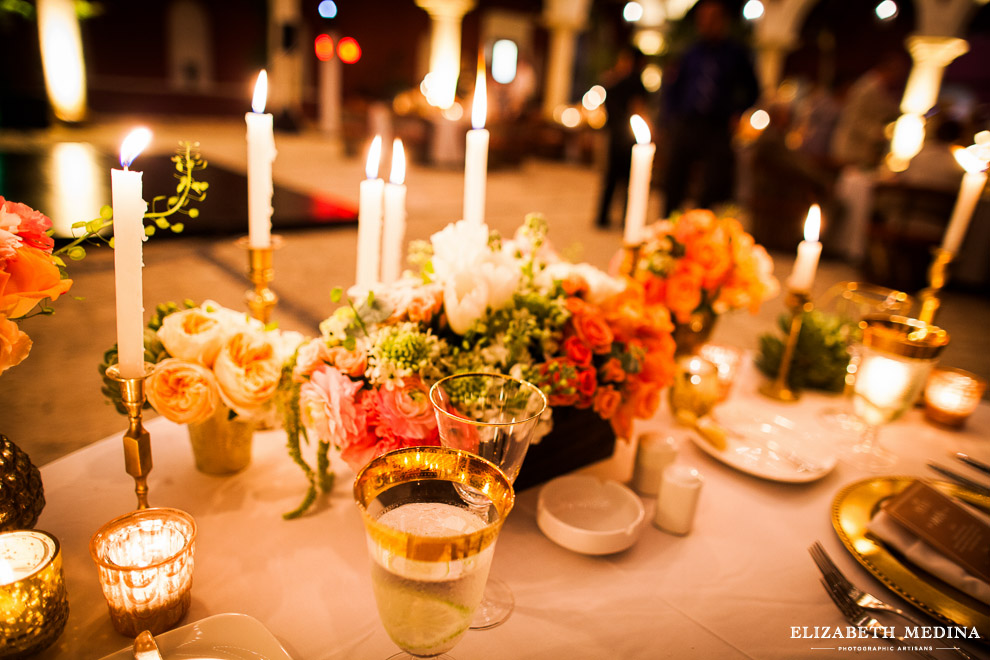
726, 360
695, 388
952, 395
678, 499
145, 561
33, 602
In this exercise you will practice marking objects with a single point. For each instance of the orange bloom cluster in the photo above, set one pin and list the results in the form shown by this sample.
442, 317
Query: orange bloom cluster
699, 260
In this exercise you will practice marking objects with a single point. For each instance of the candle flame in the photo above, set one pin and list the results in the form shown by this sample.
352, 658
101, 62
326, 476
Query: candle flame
972, 158
134, 144
813, 224
479, 108
640, 129
398, 174
374, 158
260, 93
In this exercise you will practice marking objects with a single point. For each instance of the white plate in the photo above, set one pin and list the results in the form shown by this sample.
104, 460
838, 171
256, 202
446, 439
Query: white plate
219, 637
770, 447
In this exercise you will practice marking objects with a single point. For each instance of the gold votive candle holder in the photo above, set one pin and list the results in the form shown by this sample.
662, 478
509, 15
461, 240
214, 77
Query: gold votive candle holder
145, 561
726, 360
951, 396
33, 603
695, 389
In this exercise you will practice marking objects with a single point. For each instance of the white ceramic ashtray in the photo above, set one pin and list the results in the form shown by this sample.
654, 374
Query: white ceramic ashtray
590, 516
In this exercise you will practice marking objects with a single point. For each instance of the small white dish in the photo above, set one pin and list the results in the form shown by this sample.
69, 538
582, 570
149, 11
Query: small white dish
219, 637
587, 515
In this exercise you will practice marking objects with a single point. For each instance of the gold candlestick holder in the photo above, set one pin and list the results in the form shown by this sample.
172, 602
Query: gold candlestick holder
798, 302
137, 440
630, 258
261, 271
938, 275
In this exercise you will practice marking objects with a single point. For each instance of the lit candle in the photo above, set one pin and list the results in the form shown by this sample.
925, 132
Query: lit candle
33, 604
969, 195
640, 174
370, 218
476, 152
128, 232
395, 216
951, 395
261, 153
809, 250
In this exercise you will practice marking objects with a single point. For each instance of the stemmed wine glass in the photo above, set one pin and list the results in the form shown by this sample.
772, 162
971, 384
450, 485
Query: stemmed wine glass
430, 551
493, 416
896, 356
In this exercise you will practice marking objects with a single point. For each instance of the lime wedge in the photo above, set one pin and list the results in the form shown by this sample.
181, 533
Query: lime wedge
422, 624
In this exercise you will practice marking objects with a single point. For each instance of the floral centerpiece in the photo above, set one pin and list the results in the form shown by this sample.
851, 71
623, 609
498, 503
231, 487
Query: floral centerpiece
216, 370
482, 304
700, 265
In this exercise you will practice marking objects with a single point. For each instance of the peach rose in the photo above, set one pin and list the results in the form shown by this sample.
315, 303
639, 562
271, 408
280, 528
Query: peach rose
248, 372
29, 277
606, 402
352, 363
14, 344
406, 409
184, 392
425, 305
593, 331
193, 335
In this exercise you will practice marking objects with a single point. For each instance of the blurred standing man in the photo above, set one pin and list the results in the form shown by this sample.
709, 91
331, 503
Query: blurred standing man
712, 85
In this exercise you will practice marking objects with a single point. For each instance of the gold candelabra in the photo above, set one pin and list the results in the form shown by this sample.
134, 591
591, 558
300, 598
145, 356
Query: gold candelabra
630, 258
261, 271
799, 303
137, 440
938, 275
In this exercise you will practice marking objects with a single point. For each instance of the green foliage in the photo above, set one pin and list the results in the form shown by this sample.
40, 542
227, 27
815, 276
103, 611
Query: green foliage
821, 355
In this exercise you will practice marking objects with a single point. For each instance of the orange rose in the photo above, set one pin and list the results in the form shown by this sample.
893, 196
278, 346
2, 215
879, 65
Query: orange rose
593, 331
14, 344
587, 381
683, 294
577, 351
606, 402
612, 371
184, 392
646, 400
28, 278
712, 254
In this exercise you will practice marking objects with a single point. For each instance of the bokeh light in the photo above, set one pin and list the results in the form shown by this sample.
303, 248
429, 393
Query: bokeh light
651, 77
632, 12
753, 10
759, 120
327, 9
348, 50
324, 48
886, 10
570, 117
593, 98
505, 56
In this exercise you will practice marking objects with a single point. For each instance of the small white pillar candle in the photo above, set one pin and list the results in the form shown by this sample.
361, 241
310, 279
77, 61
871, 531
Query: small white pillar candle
395, 216
808, 253
370, 219
476, 152
969, 196
640, 175
678, 499
128, 232
261, 153
654, 452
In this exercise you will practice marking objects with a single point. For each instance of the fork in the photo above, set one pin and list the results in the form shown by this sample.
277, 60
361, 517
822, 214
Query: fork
838, 582
857, 616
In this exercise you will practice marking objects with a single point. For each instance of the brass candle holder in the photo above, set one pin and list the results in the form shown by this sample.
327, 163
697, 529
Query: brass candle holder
261, 271
798, 302
137, 440
938, 275
630, 258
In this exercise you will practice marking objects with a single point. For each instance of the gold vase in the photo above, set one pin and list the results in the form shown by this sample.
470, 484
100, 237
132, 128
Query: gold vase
221, 444
691, 336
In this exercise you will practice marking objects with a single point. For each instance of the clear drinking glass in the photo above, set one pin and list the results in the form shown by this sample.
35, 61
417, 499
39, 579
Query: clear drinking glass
896, 356
492, 416
431, 551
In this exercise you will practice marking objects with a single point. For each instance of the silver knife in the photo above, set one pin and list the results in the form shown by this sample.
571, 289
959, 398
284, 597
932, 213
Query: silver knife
961, 480
145, 647
972, 462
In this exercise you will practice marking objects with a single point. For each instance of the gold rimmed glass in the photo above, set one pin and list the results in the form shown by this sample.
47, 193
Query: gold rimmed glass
430, 550
493, 416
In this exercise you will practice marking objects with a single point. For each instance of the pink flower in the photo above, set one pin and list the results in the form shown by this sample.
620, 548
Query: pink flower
28, 224
329, 407
406, 409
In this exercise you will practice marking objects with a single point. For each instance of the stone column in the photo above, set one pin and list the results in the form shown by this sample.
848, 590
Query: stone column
445, 47
565, 19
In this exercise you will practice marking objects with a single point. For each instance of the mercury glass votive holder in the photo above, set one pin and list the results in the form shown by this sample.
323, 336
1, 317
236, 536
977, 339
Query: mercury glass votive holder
726, 360
695, 389
951, 396
33, 602
145, 561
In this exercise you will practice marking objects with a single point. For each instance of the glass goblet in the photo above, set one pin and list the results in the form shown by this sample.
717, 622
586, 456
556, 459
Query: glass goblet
493, 416
896, 356
430, 551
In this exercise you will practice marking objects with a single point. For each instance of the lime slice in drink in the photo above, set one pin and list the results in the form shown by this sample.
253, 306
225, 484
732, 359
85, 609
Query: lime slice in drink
421, 624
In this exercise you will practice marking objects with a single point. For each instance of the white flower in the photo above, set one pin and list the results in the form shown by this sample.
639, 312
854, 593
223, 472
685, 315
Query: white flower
465, 299
458, 247
231, 320
502, 275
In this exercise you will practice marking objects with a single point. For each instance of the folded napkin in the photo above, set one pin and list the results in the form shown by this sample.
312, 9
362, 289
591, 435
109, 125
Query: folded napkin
925, 556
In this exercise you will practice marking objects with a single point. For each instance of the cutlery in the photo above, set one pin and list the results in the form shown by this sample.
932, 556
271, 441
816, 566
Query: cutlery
145, 647
972, 462
835, 580
966, 482
857, 616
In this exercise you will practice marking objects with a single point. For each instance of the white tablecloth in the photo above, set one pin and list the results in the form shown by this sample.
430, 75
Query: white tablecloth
733, 588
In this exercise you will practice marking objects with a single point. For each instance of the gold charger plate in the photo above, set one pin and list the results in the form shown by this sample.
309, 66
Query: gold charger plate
852, 510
